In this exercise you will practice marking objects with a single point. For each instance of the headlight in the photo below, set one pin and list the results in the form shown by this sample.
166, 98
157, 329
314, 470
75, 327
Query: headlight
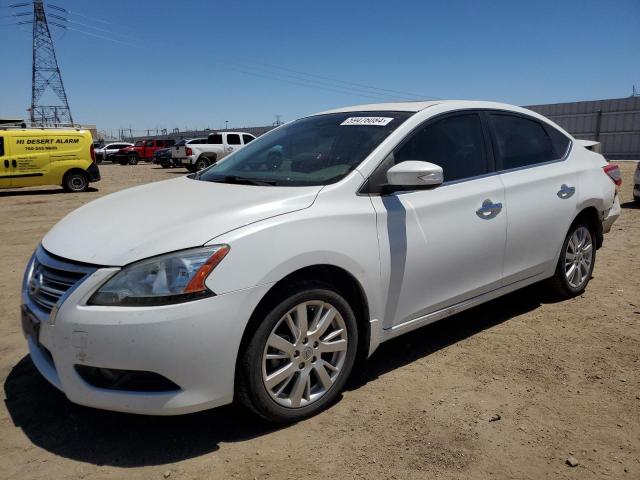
173, 278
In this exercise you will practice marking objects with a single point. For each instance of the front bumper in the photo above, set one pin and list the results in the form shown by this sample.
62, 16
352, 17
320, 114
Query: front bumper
193, 344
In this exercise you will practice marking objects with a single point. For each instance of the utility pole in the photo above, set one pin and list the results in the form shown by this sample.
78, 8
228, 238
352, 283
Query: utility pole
226, 124
45, 74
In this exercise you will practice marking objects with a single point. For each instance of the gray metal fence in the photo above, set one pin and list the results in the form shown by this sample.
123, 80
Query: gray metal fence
614, 123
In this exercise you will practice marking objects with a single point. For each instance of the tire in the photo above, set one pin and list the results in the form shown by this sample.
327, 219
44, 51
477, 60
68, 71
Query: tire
563, 283
202, 163
287, 397
192, 168
133, 159
75, 181
165, 165
637, 199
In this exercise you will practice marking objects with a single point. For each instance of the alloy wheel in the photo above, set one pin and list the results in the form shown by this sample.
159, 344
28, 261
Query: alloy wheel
578, 257
304, 354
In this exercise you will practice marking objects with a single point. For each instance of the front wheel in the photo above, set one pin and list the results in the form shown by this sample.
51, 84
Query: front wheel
637, 199
300, 355
133, 159
576, 262
75, 182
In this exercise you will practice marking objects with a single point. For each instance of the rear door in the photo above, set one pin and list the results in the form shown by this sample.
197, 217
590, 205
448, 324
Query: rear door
233, 143
5, 163
540, 191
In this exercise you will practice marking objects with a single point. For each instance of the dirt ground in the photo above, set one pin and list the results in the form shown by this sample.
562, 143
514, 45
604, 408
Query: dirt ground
563, 377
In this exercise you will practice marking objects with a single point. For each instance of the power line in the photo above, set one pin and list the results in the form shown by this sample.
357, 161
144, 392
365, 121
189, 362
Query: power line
312, 85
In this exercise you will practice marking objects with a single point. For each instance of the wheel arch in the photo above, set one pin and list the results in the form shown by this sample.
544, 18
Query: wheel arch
591, 216
343, 281
75, 170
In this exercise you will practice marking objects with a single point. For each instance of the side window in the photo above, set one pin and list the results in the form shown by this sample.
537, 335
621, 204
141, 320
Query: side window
455, 143
560, 142
521, 142
149, 143
215, 139
1, 146
247, 138
159, 143
233, 139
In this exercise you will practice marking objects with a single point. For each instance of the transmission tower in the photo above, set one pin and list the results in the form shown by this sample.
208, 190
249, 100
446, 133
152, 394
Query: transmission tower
46, 74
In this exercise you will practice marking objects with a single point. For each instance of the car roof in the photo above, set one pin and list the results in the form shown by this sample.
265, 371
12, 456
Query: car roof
239, 133
418, 106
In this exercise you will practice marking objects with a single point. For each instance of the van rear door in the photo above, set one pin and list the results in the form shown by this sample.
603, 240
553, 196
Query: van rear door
5, 164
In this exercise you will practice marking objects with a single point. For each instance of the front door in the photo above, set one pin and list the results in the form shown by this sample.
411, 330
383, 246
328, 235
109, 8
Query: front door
439, 247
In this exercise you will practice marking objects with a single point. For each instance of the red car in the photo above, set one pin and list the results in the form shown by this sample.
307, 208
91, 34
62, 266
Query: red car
141, 150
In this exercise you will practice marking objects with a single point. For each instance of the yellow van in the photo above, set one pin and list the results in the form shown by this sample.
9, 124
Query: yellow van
35, 157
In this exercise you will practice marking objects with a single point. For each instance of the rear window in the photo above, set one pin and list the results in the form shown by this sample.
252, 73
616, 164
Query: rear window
521, 142
247, 138
215, 139
1, 146
233, 139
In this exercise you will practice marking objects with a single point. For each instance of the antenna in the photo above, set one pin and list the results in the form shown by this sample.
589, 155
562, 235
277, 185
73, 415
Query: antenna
46, 75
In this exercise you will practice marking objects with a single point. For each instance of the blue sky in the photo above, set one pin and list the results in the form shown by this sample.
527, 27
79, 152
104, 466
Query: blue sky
187, 63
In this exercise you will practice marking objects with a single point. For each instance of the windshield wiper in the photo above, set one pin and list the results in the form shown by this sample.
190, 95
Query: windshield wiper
243, 180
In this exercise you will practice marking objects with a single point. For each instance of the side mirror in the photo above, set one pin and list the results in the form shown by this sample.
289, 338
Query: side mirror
414, 175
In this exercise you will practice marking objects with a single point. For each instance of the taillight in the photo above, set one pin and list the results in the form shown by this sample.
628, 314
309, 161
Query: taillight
188, 151
614, 173
93, 153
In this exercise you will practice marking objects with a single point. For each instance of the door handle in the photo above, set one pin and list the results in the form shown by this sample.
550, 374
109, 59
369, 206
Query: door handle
489, 210
229, 149
6, 164
566, 191
14, 163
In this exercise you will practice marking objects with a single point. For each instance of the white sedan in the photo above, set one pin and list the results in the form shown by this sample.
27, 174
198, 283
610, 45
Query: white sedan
305, 250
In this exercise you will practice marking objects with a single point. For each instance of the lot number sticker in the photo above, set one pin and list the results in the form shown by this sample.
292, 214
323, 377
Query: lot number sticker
377, 121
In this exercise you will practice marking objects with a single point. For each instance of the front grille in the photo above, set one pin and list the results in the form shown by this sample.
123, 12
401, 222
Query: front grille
51, 278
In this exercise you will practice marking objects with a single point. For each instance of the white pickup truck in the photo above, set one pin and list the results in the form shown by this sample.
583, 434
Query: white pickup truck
219, 145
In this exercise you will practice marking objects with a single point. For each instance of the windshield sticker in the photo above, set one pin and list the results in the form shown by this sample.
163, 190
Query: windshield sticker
377, 121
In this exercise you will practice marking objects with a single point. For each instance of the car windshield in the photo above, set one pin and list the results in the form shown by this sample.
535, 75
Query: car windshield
316, 150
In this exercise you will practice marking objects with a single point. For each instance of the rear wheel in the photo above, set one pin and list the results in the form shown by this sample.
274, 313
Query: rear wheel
75, 182
192, 168
300, 356
202, 163
637, 199
576, 262
133, 158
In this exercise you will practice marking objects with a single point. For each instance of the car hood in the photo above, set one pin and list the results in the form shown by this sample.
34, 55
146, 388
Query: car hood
166, 216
